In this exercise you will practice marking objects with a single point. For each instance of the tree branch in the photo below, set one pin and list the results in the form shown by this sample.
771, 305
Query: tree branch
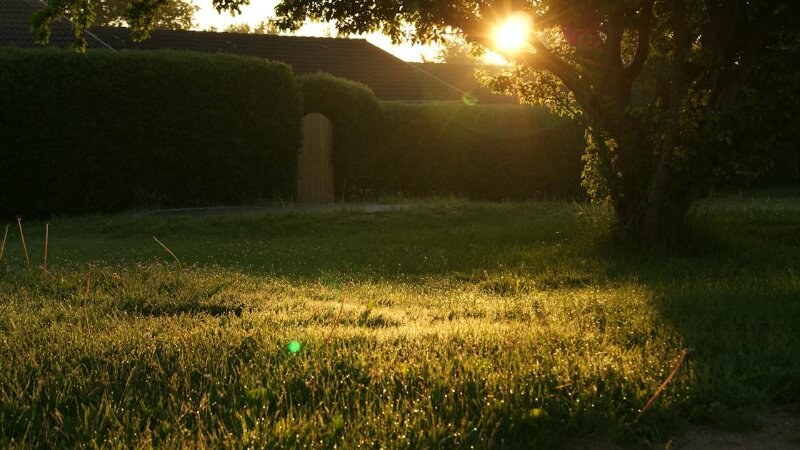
643, 46
613, 47
545, 59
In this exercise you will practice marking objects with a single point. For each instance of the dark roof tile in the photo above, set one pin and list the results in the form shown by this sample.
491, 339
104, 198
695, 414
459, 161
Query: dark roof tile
355, 59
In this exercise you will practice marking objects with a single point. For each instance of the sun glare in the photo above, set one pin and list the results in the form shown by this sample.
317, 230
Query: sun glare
512, 34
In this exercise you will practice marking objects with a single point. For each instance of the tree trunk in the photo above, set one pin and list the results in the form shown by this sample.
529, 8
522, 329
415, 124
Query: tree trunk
657, 196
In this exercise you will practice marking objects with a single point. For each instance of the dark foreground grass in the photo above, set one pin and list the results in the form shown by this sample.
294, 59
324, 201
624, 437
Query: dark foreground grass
449, 325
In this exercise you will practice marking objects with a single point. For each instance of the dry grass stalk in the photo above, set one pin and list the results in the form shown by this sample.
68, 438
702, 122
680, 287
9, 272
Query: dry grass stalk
177, 261
666, 382
86, 292
338, 316
3, 246
46, 243
24, 247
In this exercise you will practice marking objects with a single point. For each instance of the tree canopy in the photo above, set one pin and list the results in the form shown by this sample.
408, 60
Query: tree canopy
141, 16
457, 51
173, 15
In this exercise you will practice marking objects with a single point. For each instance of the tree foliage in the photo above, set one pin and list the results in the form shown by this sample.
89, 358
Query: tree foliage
458, 51
760, 136
173, 15
142, 16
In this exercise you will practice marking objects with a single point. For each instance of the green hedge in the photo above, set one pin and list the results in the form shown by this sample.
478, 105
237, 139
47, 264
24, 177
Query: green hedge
357, 120
112, 131
487, 152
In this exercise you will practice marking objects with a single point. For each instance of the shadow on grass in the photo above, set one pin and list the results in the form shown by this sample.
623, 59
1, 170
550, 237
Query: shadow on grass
731, 290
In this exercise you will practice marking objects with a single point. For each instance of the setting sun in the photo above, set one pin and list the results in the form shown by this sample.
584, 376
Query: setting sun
512, 34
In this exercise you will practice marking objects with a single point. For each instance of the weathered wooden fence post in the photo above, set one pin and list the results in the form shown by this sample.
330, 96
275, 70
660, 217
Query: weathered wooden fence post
315, 162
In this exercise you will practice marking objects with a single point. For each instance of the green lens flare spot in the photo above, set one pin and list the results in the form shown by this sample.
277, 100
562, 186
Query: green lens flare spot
469, 99
294, 347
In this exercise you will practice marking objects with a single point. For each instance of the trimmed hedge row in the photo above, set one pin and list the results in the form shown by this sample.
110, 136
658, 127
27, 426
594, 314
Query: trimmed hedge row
486, 152
491, 152
107, 132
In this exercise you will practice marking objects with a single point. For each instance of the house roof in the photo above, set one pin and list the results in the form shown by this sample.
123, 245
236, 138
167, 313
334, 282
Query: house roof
356, 59
462, 76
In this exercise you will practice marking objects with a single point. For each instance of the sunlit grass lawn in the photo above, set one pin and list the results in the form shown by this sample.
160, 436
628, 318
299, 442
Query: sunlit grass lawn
446, 325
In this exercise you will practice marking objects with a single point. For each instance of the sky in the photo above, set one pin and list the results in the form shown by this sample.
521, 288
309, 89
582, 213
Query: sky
260, 10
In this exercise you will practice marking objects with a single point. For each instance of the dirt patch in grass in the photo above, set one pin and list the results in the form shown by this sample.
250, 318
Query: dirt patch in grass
779, 429
776, 429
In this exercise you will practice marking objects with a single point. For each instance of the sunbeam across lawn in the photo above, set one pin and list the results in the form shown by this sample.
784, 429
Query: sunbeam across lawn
446, 325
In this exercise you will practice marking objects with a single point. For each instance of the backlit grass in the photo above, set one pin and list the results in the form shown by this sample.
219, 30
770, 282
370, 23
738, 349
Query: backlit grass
447, 325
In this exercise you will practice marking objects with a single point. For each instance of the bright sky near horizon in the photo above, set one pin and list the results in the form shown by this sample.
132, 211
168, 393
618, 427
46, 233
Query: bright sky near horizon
260, 10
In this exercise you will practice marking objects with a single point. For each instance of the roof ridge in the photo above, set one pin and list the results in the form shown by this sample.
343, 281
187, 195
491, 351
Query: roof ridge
239, 34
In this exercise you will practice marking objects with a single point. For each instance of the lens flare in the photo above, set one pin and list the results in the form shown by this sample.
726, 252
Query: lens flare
469, 99
294, 347
512, 34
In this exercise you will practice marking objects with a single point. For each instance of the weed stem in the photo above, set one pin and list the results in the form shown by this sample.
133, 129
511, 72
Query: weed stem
177, 261
663, 386
46, 243
86, 293
24, 247
338, 315
3, 246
